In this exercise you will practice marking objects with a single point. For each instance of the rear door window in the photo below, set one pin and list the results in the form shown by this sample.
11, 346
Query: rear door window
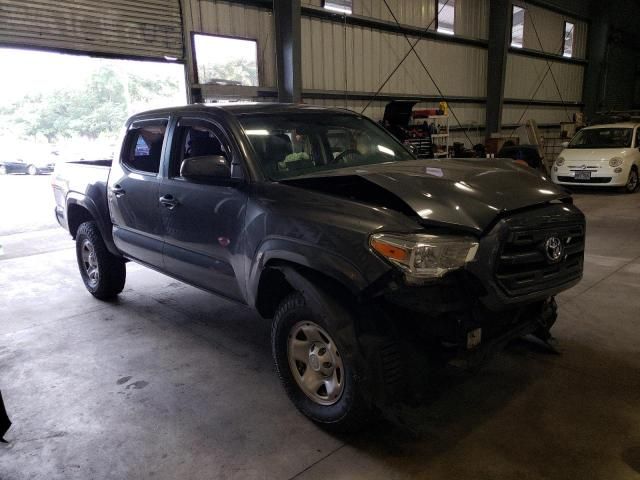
143, 147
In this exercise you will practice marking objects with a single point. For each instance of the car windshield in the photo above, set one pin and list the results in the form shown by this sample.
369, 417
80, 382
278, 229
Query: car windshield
602, 138
290, 145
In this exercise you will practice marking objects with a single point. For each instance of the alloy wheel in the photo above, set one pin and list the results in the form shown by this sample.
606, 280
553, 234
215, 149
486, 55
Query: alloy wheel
90, 263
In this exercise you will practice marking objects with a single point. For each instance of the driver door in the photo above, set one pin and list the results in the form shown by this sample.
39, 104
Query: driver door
203, 219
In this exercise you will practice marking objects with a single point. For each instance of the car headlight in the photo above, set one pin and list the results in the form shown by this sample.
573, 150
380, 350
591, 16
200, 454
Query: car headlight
423, 256
615, 162
559, 161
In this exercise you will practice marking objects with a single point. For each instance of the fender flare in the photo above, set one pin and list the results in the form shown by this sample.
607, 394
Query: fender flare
276, 251
336, 316
86, 202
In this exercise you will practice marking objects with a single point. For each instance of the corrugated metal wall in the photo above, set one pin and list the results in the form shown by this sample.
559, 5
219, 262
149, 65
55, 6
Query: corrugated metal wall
512, 114
549, 27
355, 59
145, 28
417, 13
457, 69
524, 75
472, 16
232, 19
341, 58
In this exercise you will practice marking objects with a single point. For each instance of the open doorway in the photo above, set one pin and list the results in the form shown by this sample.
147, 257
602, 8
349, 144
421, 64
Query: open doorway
57, 108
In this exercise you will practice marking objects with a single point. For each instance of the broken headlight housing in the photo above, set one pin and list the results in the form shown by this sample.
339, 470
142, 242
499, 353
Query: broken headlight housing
423, 256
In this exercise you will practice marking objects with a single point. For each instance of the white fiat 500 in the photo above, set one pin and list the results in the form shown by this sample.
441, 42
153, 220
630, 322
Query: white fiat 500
602, 155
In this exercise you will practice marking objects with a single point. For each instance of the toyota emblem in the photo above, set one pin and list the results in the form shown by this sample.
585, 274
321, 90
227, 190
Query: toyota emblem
553, 248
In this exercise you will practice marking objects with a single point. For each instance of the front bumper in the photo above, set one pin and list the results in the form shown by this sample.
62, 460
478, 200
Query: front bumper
506, 292
600, 177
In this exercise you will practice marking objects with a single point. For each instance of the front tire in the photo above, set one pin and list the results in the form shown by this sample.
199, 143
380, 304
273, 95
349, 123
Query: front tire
103, 274
319, 379
32, 170
633, 182
3, 170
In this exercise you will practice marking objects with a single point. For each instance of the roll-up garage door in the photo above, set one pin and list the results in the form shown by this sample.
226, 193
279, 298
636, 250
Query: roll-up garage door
140, 28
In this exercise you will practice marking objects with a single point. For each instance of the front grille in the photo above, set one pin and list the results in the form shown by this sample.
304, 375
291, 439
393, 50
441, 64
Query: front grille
523, 266
562, 178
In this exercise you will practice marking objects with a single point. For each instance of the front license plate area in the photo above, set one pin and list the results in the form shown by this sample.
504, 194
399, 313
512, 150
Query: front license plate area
583, 175
474, 337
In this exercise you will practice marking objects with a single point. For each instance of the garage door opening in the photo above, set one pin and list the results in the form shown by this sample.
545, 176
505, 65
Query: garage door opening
59, 108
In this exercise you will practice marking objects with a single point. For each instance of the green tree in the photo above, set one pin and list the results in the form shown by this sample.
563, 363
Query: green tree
239, 70
99, 108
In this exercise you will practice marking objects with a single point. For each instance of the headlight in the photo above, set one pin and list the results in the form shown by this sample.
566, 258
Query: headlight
559, 161
615, 162
425, 256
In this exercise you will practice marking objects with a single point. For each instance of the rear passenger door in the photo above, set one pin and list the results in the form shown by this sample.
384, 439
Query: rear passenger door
133, 192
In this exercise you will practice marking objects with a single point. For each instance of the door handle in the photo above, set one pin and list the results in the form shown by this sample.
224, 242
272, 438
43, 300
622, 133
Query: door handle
168, 201
117, 190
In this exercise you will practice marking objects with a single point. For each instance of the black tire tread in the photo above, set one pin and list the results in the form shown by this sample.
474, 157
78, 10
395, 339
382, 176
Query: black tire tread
359, 413
113, 271
637, 188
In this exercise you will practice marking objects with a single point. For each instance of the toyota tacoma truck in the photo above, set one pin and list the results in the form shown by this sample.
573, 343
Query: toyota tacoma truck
374, 267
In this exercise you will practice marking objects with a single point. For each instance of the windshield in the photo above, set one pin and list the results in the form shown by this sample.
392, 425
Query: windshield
290, 145
602, 138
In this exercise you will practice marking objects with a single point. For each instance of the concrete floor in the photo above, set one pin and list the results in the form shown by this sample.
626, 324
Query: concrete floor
170, 382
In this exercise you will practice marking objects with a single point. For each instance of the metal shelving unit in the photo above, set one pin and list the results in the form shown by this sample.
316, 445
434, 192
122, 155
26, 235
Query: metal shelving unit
440, 140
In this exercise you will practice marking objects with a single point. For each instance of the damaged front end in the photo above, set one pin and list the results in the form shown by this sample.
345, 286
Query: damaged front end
505, 291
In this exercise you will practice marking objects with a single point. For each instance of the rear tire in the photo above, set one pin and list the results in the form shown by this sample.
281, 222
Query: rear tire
32, 170
3, 170
339, 402
633, 182
103, 274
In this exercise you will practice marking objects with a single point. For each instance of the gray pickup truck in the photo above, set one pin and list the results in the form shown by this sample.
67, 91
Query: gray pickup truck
373, 266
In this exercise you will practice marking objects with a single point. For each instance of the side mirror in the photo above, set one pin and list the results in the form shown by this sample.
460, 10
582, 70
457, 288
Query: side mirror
205, 167
564, 144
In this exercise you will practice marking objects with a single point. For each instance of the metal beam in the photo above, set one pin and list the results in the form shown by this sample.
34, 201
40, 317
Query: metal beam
288, 49
499, 39
528, 52
597, 44
382, 97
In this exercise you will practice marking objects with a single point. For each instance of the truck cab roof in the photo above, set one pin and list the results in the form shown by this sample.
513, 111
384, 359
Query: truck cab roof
246, 108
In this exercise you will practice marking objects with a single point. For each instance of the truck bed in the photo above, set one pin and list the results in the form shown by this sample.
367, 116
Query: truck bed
86, 181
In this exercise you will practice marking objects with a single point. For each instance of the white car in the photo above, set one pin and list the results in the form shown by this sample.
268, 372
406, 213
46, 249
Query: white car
602, 155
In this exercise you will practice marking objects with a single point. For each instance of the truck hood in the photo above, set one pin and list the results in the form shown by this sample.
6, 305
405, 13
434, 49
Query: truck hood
465, 193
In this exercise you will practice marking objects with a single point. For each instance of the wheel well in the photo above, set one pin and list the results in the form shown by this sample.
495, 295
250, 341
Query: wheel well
76, 216
274, 287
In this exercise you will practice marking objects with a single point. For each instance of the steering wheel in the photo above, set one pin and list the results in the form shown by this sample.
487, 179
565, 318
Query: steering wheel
349, 151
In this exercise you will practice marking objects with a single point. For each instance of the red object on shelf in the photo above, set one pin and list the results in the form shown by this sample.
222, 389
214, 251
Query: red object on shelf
424, 113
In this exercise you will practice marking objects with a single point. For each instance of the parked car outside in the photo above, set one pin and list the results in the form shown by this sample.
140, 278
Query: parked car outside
601, 156
30, 162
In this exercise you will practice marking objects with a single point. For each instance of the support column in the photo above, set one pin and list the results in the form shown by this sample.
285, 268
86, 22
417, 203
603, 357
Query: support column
596, 69
288, 50
499, 39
